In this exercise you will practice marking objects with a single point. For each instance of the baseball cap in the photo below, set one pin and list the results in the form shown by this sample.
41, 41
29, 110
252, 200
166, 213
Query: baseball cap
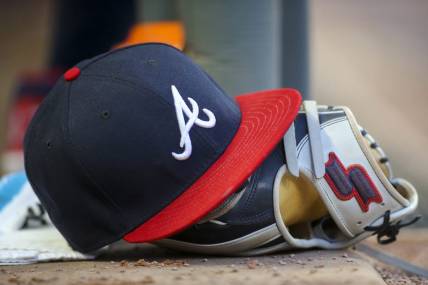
139, 143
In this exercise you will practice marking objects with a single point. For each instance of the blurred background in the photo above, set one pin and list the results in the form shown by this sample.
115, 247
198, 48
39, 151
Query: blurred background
371, 56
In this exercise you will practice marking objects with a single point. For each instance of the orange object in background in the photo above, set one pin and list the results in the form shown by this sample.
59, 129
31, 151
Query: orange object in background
169, 32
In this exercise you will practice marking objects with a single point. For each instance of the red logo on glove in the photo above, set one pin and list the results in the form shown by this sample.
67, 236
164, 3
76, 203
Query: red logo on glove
351, 182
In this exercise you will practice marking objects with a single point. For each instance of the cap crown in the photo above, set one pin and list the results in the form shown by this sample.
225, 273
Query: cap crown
111, 148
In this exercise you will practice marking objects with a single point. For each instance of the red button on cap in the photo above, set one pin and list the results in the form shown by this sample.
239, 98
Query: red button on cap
71, 74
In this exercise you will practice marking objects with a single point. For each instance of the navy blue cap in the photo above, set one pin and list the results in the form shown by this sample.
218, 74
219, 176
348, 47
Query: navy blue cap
126, 143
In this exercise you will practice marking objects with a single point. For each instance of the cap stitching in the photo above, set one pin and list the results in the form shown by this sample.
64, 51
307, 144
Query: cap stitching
69, 141
30, 137
101, 56
160, 99
207, 139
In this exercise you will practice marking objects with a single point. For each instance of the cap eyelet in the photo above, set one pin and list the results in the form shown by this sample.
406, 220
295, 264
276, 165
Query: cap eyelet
105, 114
49, 144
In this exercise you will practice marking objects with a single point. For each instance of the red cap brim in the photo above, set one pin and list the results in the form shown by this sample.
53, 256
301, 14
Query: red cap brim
265, 117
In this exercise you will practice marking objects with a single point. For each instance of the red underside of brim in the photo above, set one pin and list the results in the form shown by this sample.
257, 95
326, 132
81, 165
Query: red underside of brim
266, 116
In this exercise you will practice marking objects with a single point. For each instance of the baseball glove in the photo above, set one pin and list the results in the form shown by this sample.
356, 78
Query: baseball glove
328, 185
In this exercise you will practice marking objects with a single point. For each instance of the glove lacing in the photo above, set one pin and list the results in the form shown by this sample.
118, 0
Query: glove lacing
386, 232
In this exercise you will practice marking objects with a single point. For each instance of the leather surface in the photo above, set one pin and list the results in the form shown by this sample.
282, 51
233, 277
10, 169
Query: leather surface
254, 210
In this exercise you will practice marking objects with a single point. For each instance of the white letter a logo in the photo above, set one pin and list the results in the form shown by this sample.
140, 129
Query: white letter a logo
181, 108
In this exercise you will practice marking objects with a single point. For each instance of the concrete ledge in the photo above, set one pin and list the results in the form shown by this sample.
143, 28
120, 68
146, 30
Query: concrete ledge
151, 265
